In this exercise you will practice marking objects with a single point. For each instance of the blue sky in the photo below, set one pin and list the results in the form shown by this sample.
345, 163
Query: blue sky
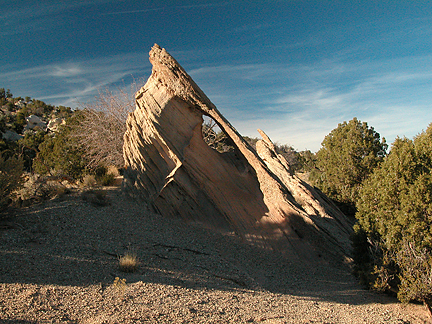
294, 68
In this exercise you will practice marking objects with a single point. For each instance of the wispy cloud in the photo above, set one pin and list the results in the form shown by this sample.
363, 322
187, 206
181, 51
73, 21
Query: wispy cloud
294, 104
300, 104
201, 5
67, 70
71, 83
253, 27
28, 17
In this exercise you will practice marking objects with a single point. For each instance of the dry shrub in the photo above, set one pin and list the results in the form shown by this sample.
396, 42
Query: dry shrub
53, 189
102, 126
129, 262
38, 188
89, 181
97, 197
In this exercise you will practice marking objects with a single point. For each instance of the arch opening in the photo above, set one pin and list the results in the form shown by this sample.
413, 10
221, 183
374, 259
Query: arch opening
214, 136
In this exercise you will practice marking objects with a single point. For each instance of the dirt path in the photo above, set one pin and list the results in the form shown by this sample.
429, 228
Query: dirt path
59, 262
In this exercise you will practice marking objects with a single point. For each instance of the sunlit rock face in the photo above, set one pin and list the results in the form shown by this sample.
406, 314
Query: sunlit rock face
251, 193
55, 123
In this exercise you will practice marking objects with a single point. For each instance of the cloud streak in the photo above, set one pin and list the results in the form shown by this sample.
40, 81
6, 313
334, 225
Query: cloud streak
294, 104
305, 102
29, 18
71, 83
202, 5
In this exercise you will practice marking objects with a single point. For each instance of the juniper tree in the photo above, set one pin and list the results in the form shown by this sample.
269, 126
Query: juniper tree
349, 153
395, 212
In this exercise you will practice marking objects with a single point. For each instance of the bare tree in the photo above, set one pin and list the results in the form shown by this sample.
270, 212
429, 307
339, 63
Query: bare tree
215, 137
102, 125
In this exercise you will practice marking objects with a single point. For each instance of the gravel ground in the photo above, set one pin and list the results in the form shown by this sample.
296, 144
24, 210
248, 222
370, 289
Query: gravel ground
59, 261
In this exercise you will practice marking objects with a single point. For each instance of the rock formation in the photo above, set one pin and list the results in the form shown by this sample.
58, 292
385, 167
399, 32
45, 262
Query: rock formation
55, 123
251, 193
34, 121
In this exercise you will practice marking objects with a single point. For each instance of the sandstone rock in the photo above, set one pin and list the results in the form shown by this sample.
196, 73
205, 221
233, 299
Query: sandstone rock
251, 193
55, 123
34, 121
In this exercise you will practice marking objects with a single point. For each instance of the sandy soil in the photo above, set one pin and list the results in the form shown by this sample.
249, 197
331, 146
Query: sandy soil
59, 261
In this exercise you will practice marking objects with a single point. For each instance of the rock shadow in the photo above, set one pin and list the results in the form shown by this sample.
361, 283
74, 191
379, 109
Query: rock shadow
73, 243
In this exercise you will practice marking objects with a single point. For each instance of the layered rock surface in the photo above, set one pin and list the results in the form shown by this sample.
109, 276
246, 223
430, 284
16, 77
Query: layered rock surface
251, 193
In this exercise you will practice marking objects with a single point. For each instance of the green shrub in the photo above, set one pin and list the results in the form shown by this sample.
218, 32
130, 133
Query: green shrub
28, 146
107, 179
395, 209
61, 154
20, 121
11, 179
415, 274
348, 155
103, 177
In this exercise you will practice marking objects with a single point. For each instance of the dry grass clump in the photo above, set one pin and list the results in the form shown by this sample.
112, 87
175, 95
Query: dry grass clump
103, 176
129, 262
97, 197
113, 170
89, 181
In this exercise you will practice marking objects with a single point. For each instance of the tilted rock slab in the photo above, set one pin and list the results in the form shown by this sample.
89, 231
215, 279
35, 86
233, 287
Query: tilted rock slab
251, 193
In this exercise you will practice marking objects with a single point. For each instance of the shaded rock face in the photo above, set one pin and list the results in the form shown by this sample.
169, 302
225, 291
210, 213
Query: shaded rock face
34, 121
251, 193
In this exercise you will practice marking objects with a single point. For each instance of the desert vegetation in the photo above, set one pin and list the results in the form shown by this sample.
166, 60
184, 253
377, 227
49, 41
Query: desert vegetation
128, 262
347, 156
11, 179
388, 193
40, 161
101, 127
394, 216
390, 196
